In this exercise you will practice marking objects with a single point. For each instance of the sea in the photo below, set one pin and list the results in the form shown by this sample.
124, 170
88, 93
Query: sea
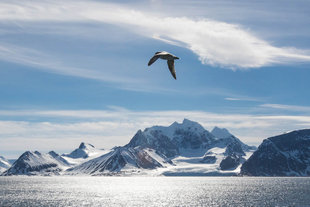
154, 191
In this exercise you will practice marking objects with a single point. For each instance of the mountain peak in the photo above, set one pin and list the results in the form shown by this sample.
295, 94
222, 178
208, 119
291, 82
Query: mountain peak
192, 125
221, 132
84, 151
85, 146
187, 121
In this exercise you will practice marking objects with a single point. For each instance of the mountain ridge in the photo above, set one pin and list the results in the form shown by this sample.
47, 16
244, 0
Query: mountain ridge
177, 149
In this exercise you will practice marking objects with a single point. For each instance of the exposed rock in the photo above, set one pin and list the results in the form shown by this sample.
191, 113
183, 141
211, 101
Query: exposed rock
230, 162
284, 155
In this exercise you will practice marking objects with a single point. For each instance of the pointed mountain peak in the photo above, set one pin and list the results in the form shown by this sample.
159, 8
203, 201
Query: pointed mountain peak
221, 132
84, 151
37, 153
53, 154
187, 121
86, 146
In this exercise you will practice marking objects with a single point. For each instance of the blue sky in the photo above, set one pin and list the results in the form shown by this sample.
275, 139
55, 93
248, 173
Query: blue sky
73, 71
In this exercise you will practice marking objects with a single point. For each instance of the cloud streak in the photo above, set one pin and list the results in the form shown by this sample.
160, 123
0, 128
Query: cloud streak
214, 42
287, 107
38, 59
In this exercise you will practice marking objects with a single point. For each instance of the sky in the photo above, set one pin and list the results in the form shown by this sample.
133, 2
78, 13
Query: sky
73, 71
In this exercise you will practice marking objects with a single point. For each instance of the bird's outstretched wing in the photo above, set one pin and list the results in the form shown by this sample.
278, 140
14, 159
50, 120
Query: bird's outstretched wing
171, 68
153, 59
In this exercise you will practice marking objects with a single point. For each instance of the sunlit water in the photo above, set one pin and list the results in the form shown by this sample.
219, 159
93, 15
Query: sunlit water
154, 191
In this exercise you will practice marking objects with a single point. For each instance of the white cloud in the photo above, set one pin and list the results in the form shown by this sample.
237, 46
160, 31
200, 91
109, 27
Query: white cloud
287, 107
215, 42
243, 99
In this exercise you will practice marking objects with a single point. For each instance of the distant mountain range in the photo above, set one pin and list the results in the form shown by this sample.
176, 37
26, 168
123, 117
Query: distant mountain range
179, 149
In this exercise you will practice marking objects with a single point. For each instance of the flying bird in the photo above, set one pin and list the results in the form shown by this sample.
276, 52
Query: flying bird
166, 56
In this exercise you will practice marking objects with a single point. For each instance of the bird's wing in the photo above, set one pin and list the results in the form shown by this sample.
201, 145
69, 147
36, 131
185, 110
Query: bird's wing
153, 59
171, 68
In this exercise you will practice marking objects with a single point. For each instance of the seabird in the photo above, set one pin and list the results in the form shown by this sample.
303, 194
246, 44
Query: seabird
166, 56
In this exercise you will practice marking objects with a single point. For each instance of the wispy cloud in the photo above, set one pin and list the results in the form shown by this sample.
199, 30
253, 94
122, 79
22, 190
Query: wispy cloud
216, 43
287, 107
42, 61
243, 99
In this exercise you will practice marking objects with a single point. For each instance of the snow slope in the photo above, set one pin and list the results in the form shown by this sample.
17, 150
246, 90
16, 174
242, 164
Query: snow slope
4, 164
83, 153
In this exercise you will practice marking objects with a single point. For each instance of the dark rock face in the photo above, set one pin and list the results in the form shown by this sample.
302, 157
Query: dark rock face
283, 155
191, 140
234, 154
234, 148
230, 162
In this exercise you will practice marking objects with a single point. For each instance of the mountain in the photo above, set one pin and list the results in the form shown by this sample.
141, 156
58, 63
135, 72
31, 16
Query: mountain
121, 159
284, 155
179, 149
84, 151
4, 164
36, 163
226, 137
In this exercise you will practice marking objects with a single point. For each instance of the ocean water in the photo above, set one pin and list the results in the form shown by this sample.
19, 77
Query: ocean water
154, 191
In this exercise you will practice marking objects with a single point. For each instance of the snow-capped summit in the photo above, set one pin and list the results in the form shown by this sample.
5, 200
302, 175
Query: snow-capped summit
170, 140
220, 132
86, 146
190, 125
85, 150
4, 164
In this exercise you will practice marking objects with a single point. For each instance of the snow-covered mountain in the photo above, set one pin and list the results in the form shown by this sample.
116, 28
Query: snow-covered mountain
36, 163
83, 153
284, 155
85, 150
224, 136
4, 164
120, 160
180, 149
